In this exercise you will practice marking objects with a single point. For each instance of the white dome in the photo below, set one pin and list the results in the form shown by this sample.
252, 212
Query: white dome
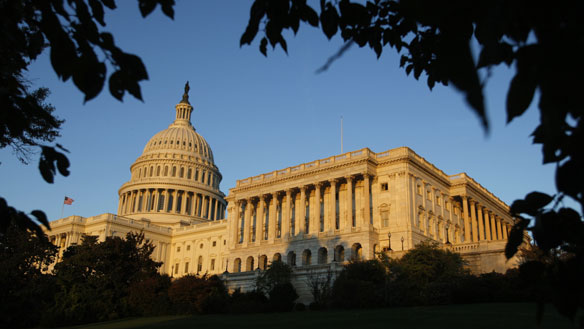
175, 180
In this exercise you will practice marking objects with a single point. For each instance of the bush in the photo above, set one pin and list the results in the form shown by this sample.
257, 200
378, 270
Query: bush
248, 302
300, 307
282, 297
149, 297
202, 295
360, 285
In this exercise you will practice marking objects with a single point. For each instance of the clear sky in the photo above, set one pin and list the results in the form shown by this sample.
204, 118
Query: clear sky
261, 114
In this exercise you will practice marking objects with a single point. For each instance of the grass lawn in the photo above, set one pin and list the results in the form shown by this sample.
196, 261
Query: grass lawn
473, 316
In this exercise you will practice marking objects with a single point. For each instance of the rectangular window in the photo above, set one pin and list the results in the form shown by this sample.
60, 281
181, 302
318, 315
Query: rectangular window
385, 218
169, 205
214, 243
176, 268
188, 247
189, 173
177, 249
187, 267
212, 264
384, 186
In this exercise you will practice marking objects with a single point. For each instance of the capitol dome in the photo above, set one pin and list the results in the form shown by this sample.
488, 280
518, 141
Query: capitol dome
175, 181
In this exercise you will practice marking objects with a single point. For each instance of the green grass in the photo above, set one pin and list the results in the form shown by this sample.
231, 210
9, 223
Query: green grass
472, 316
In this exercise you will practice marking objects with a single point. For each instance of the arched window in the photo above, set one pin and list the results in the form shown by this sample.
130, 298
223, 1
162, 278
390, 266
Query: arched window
277, 257
151, 170
339, 254
249, 264
322, 255
158, 171
237, 265
356, 252
291, 259
173, 171
306, 257
169, 205
166, 171
200, 264
263, 262
181, 172
189, 173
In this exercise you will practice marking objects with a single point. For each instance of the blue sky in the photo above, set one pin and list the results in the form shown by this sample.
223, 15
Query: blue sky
262, 114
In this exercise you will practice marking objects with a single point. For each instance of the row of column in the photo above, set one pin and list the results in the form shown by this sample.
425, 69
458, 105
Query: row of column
481, 224
202, 176
173, 201
275, 215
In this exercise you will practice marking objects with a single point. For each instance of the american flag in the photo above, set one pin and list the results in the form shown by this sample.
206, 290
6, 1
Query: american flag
68, 200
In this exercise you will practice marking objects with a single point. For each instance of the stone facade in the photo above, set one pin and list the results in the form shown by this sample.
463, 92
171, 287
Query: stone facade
314, 216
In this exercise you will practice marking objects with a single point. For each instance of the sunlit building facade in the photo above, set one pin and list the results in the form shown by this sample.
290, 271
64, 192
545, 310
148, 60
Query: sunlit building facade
313, 216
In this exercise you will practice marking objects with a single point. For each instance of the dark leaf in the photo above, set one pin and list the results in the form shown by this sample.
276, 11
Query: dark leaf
263, 46
248, 35
515, 238
62, 163
97, 11
167, 8
283, 44
520, 94
146, 6
116, 85
111, 4
569, 178
309, 15
42, 218
538, 200
330, 21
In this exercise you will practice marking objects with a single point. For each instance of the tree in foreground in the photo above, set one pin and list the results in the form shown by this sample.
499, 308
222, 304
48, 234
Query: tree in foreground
94, 278
541, 40
25, 287
276, 283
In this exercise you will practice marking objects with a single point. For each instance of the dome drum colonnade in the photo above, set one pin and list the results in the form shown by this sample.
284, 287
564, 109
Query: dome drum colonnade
175, 175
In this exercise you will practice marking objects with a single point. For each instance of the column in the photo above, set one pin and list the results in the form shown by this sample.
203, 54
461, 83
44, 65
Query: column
260, 219
349, 218
233, 219
302, 218
120, 204
286, 214
473, 220
273, 217
505, 227
155, 199
217, 207
367, 211
487, 224
331, 223
481, 224
466, 219
315, 225
174, 200
183, 202
500, 227
204, 213
247, 222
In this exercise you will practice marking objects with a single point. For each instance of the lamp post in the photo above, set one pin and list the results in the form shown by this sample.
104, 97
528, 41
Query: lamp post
402, 241
172, 271
389, 241
447, 237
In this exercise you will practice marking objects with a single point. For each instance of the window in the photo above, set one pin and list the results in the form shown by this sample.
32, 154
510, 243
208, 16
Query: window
177, 249
187, 267
214, 243
176, 268
201, 246
419, 189
428, 195
224, 242
437, 199
200, 264
384, 186
182, 172
165, 171
189, 173
188, 247
213, 264
173, 171
385, 218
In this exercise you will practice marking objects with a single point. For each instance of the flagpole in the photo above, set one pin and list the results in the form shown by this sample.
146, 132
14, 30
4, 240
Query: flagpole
341, 134
62, 208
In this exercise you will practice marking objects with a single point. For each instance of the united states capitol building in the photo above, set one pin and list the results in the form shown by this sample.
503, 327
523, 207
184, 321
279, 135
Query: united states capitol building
313, 216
